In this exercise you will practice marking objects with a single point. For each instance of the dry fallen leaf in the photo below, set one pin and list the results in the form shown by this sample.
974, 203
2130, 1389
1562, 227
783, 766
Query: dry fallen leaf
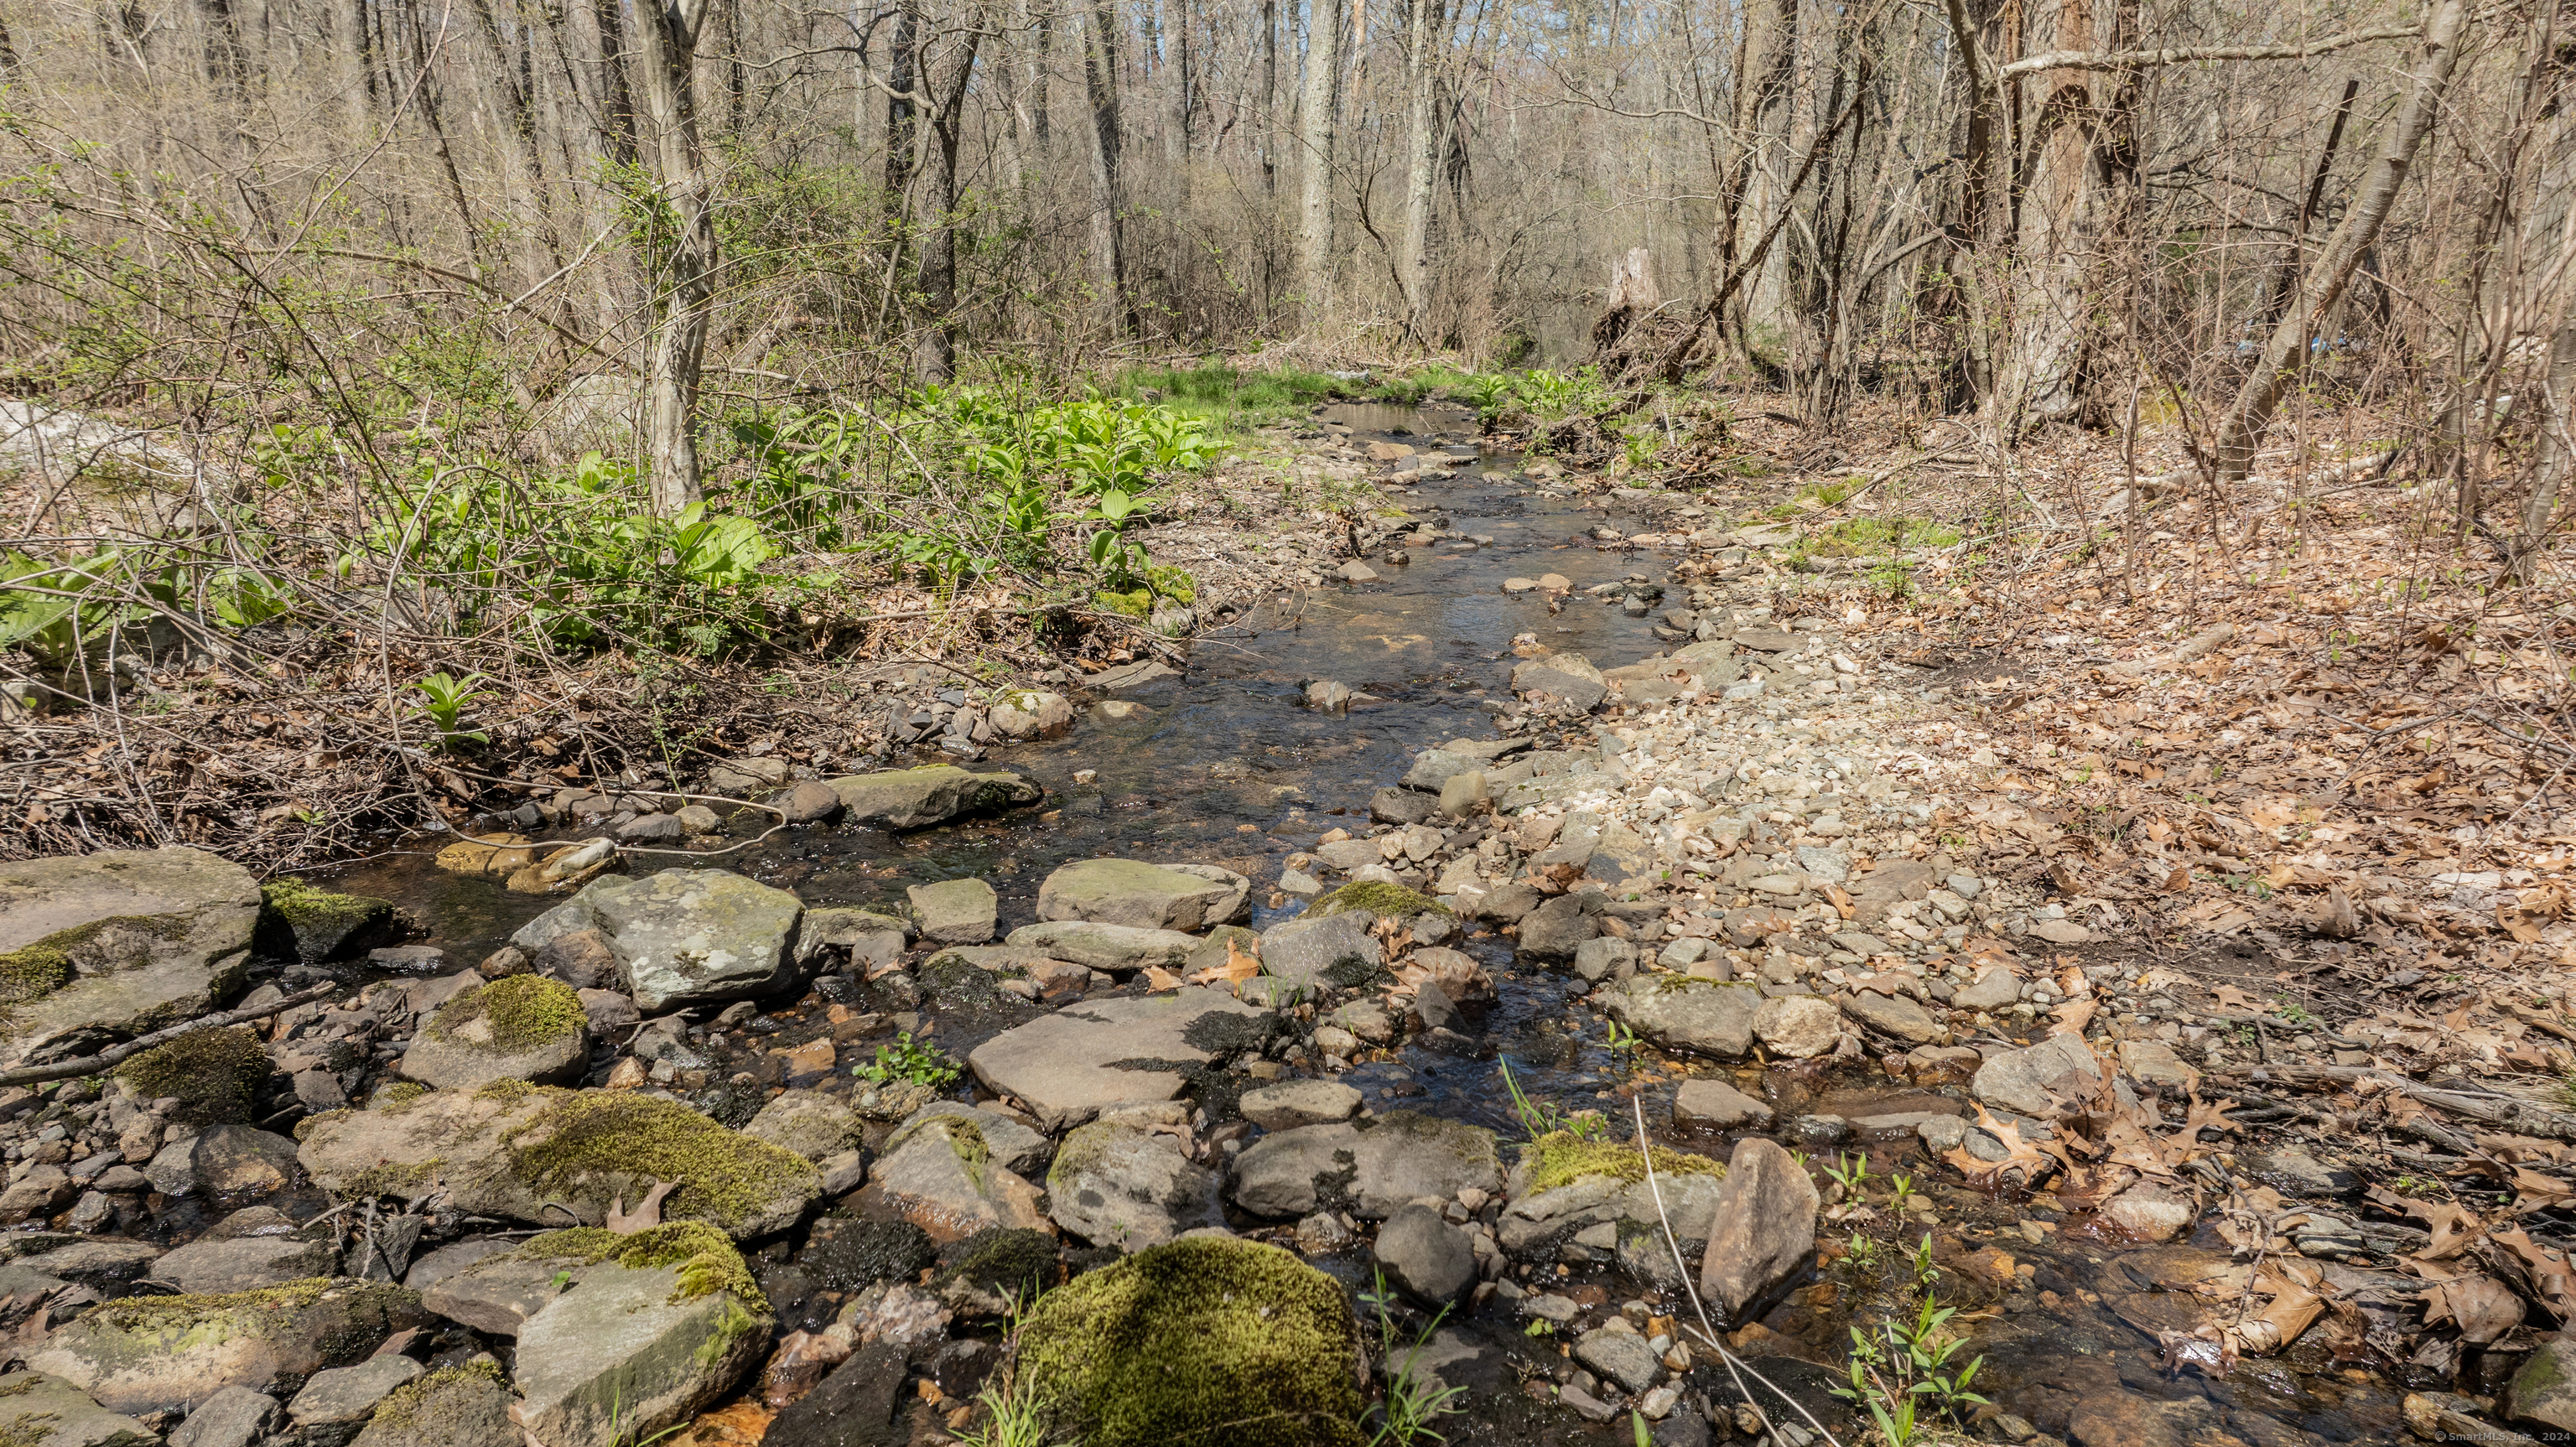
2019, 1155
1158, 978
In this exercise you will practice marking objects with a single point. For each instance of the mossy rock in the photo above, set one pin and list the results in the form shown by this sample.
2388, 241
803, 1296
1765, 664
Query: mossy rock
1561, 1158
1205, 1342
300, 922
1377, 898
155, 1353
522, 1027
468, 1403
213, 1074
706, 1257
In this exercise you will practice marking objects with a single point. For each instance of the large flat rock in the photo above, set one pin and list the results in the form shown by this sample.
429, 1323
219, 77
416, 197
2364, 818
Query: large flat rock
1147, 896
1370, 1170
1098, 1055
1118, 949
683, 937
628, 1353
919, 798
160, 1353
1682, 1012
97, 948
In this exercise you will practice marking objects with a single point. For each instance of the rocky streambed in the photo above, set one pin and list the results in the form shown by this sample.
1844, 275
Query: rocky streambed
1261, 1053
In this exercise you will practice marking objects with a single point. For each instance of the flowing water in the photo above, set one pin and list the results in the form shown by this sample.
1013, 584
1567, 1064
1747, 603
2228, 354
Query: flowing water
1227, 765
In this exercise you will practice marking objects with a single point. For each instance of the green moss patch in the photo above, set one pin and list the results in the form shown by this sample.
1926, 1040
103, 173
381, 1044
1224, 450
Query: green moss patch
521, 1012
1206, 1342
1013, 1263
705, 1256
1561, 1158
313, 925
100, 947
1377, 897
402, 1406
186, 1313
211, 1073
726, 1178
33, 973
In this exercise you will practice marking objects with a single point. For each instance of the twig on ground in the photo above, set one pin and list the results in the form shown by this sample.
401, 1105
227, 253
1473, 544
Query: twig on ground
117, 1055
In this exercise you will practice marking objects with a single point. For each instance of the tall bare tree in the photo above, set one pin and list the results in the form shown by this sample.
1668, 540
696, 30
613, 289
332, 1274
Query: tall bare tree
1318, 137
683, 278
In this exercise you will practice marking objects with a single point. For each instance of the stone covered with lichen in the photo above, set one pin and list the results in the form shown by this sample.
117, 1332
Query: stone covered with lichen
683, 937
103, 947
166, 1353
653, 1328
524, 1027
545, 1155
467, 1405
41, 1411
1206, 1342
299, 922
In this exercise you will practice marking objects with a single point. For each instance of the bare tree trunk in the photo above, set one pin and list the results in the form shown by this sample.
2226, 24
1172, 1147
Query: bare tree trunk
1100, 78
934, 356
684, 286
2051, 253
1424, 36
2287, 349
1318, 128
1269, 98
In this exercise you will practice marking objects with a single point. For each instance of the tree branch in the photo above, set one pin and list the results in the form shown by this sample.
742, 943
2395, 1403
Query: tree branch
110, 1058
2180, 55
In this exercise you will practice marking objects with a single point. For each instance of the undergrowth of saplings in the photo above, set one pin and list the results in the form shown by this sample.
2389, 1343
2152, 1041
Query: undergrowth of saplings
1415, 1400
915, 1062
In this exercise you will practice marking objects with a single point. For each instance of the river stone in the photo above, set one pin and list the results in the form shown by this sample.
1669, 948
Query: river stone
867, 939
457, 1049
808, 1122
453, 1407
859, 1405
1117, 949
103, 947
1427, 1258
317, 926
1309, 953
2295, 1171
955, 911
2543, 1392
683, 937
1017, 1147
1557, 929
1292, 1103
1031, 714
208, 1267
2151, 1211
2041, 1082
350, 1394
935, 794
938, 1174
1713, 662
1185, 897
1390, 805
498, 1294
161, 1353
1896, 1015
233, 1417
1716, 1104
627, 1353
485, 1150
1434, 767
1997, 989
1682, 1012
101, 1263
1370, 1170
2152, 1062
1067, 1067
1605, 958
1621, 1356
1119, 1183
1463, 793
38, 1410
224, 1162
1567, 678
1763, 1230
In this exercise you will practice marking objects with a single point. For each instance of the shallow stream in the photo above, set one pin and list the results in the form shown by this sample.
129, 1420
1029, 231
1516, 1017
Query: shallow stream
1227, 765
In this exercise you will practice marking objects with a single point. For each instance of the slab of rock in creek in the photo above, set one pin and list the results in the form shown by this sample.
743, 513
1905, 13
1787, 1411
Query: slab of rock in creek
1292, 1103
1031, 714
1118, 1182
1764, 1229
862, 937
1186, 1344
1683, 1012
955, 911
1433, 768
2044, 1081
1895, 1015
1718, 1105
1017, 1147
212, 1267
918, 798
1102, 1054
682, 937
938, 1173
102, 947
628, 1352
1567, 678
1558, 928
498, 1294
1185, 897
1800, 1027
1116, 949
808, 1122
162, 1353
1335, 950
46, 1411
459, 1406
233, 1417
535, 1153
1369, 1169
350, 1394
523, 1027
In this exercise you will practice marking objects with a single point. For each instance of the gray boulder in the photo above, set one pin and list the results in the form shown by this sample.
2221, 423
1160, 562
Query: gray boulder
1621, 1356
1997, 989
919, 798
1186, 897
683, 937
939, 1174
859, 936
1068, 1067
103, 947
1567, 678
524, 1027
1605, 958
1683, 1012
1115, 949
808, 1122
1718, 1105
1308, 953
1119, 1183
1799, 1027
225, 1163
1895, 1015
1763, 1230
1427, 1258
1557, 929
233, 1417
2042, 1081
1292, 1103
1370, 1170
627, 1353
955, 911
46, 1411
1433, 768
499, 1293
163, 1353
1018, 1148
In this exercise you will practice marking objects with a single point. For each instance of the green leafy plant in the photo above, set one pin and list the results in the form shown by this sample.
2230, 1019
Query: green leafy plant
916, 1061
444, 699
1926, 1275
1849, 1172
1862, 1252
1413, 1401
1902, 1192
1539, 1117
1016, 1414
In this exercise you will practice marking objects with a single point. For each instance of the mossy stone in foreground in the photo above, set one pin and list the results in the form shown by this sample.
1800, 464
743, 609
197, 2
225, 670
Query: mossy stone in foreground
1206, 1342
154, 1353
523, 1027
1561, 1158
1375, 897
213, 1074
297, 921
